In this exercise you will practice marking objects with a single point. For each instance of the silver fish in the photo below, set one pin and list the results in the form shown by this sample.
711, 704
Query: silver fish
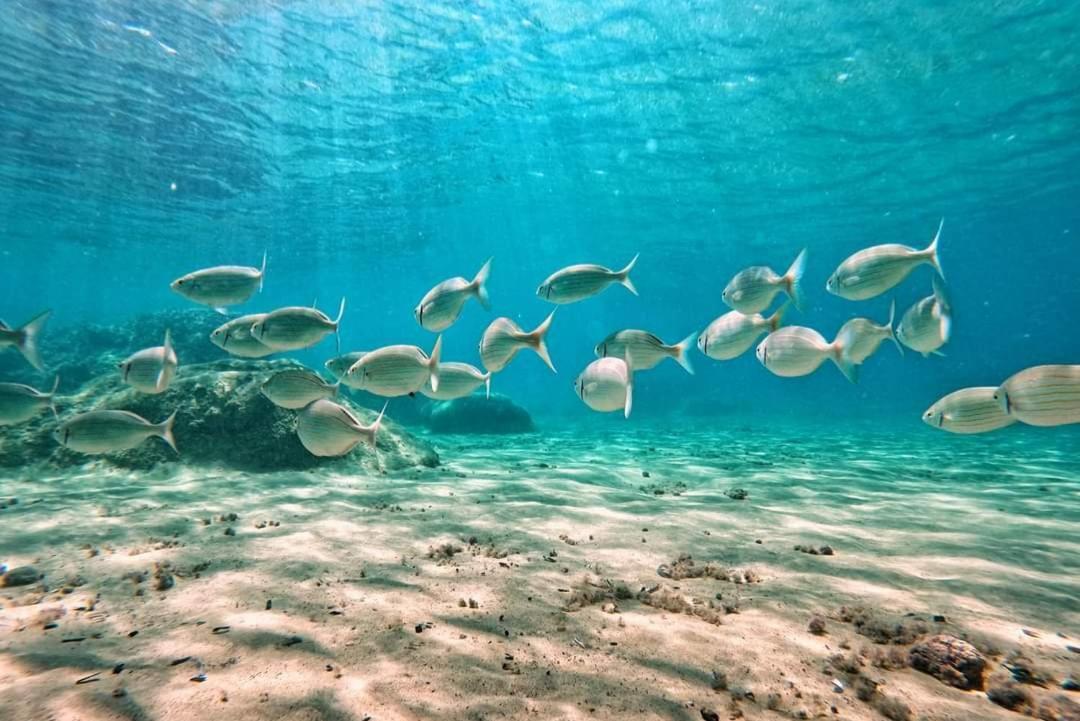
19, 403
607, 384
647, 349
752, 290
863, 336
503, 338
295, 388
151, 370
442, 305
326, 428
221, 286
395, 370
296, 327
733, 333
235, 337
873, 271
797, 351
457, 380
25, 338
578, 282
1042, 396
926, 326
338, 366
969, 410
110, 431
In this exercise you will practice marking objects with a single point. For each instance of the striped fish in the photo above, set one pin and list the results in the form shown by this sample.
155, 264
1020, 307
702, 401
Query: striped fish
457, 380
797, 351
969, 410
647, 349
235, 337
151, 370
294, 388
863, 336
578, 282
926, 326
19, 403
221, 286
873, 271
752, 290
1042, 396
442, 305
295, 327
733, 333
110, 431
395, 370
503, 338
607, 384
338, 366
25, 338
326, 428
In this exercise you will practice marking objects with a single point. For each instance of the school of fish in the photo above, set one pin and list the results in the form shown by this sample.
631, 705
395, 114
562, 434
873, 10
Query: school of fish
1046, 395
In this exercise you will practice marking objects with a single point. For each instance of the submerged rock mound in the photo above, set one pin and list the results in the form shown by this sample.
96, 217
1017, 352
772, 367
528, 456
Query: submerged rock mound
478, 414
222, 420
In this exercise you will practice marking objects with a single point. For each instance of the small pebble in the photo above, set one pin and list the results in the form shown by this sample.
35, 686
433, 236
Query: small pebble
837, 685
229, 531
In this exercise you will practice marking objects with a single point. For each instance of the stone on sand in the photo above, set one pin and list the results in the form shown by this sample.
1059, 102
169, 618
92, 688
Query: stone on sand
951, 660
478, 414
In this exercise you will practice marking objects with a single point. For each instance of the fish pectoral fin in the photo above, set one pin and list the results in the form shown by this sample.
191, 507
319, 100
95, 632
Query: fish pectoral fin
221, 309
588, 388
160, 382
850, 280
937, 353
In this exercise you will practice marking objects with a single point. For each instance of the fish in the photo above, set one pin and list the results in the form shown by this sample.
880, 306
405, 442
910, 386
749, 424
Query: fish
607, 384
329, 429
647, 349
20, 403
442, 305
864, 336
457, 380
795, 351
110, 431
503, 338
752, 290
295, 388
873, 271
235, 337
968, 410
151, 370
926, 326
395, 370
578, 282
338, 366
25, 338
1047, 395
733, 333
296, 327
221, 286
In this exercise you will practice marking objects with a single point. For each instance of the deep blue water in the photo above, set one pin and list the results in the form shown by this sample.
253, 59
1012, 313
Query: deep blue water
376, 149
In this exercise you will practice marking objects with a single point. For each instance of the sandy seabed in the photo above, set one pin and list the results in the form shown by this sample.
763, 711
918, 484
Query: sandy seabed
520, 580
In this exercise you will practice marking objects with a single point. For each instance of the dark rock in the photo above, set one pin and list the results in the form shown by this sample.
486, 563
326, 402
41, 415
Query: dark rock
737, 494
477, 414
1070, 685
951, 660
1009, 695
709, 715
20, 576
826, 551
222, 419
817, 625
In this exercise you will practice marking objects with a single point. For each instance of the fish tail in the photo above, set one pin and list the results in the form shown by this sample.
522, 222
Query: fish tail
487, 384
168, 347
433, 363
793, 279
165, 430
337, 389
843, 361
374, 428
682, 352
28, 339
538, 340
624, 275
480, 284
52, 396
932, 250
774, 321
892, 328
1002, 397
337, 324
262, 271
629, 402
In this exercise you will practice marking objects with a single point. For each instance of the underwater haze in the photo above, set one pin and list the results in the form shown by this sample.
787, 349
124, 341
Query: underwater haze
373, 149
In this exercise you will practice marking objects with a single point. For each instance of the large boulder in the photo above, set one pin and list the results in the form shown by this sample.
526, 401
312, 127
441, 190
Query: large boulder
478, 414
222, 420
950, 660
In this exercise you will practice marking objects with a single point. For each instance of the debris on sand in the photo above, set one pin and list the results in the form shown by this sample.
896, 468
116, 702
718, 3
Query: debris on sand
819, 551
1010, 695
881, 627
444, 553
816, 625
737, 494
684, 567
663, 598
591, 592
